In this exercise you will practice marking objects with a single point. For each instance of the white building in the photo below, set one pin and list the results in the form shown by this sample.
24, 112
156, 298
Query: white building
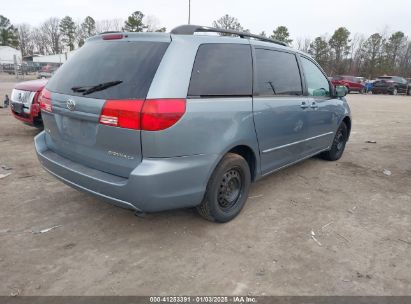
56, 58
7, 54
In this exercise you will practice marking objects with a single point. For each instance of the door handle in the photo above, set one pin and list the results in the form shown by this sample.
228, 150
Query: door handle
304, 105
314, 105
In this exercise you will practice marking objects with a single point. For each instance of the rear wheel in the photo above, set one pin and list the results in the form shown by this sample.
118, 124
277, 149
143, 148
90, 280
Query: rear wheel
227, 190
338, 145
409, 92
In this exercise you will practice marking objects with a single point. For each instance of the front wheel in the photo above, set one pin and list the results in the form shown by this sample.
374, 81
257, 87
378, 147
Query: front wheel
395, 92
338, 145
227, 190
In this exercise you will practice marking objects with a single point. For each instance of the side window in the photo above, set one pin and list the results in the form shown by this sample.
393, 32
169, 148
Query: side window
277, 73
222, 69
317, 83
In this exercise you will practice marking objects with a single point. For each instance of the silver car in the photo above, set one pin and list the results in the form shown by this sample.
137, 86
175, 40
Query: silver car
158, 121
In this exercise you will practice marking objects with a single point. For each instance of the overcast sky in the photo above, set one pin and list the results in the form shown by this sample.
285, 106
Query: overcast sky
304, 18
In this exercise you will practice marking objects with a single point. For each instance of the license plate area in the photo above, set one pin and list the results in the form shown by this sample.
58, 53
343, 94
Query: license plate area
77, 130
17, 107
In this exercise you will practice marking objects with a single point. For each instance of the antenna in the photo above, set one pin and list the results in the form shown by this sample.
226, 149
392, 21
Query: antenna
189, 11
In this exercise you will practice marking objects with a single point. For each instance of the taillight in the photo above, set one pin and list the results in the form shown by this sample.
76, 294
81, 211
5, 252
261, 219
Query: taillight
160, 114
122, 113
45, 101
148, 115
36, 98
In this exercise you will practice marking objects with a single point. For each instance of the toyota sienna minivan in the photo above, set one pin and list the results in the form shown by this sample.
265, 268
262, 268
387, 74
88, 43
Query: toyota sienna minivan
158, 121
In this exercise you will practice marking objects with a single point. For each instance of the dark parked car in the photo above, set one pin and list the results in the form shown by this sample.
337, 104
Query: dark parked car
25, 104
352, 83
391, 85
9, 69
179, 120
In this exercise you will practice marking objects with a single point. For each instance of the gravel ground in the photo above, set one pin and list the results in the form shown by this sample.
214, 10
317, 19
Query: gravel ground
360, 217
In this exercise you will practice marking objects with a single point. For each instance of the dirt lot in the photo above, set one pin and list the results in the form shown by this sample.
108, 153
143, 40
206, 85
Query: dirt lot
360, 216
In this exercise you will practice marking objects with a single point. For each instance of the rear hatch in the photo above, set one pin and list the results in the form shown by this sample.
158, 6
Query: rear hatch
112, 69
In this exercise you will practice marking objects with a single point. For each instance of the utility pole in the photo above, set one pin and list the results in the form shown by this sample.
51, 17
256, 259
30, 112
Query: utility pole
189, 11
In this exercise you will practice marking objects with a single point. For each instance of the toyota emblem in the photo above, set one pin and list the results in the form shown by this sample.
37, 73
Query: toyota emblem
71, 104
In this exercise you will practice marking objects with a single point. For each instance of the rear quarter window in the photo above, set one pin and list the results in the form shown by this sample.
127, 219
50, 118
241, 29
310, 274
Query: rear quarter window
222, 69
132, 62
277, 73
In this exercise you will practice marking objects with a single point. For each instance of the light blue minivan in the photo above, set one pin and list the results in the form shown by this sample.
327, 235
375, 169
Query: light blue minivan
157, 121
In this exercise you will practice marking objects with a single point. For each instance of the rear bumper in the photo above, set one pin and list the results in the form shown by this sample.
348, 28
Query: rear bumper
25, 119
155, 185
31, 118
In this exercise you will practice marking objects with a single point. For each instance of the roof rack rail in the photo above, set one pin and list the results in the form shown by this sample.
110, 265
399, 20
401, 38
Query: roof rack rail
191, 29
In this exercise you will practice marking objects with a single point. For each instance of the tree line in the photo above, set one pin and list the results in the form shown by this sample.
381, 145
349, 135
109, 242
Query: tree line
340, 53
344, 53
55, 35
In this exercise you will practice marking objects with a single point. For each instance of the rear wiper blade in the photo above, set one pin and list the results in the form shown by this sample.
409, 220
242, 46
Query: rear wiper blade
99, 87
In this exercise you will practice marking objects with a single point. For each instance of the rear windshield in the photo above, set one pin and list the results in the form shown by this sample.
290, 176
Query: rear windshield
385, 77
133, 63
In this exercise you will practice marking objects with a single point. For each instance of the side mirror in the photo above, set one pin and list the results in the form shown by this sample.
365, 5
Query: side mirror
340, 91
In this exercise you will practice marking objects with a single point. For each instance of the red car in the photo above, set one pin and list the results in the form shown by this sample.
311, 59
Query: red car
24, 102
352, 83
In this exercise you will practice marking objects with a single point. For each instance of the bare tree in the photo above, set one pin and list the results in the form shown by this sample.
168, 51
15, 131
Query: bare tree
40, 42
405, 67
51, 30
80, 34
152, 23
355, 50
358, 58
303, 44
25, 41
108, 25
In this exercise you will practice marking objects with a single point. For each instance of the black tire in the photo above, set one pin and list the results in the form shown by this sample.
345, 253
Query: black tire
338, 145
409, 92
227, 190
